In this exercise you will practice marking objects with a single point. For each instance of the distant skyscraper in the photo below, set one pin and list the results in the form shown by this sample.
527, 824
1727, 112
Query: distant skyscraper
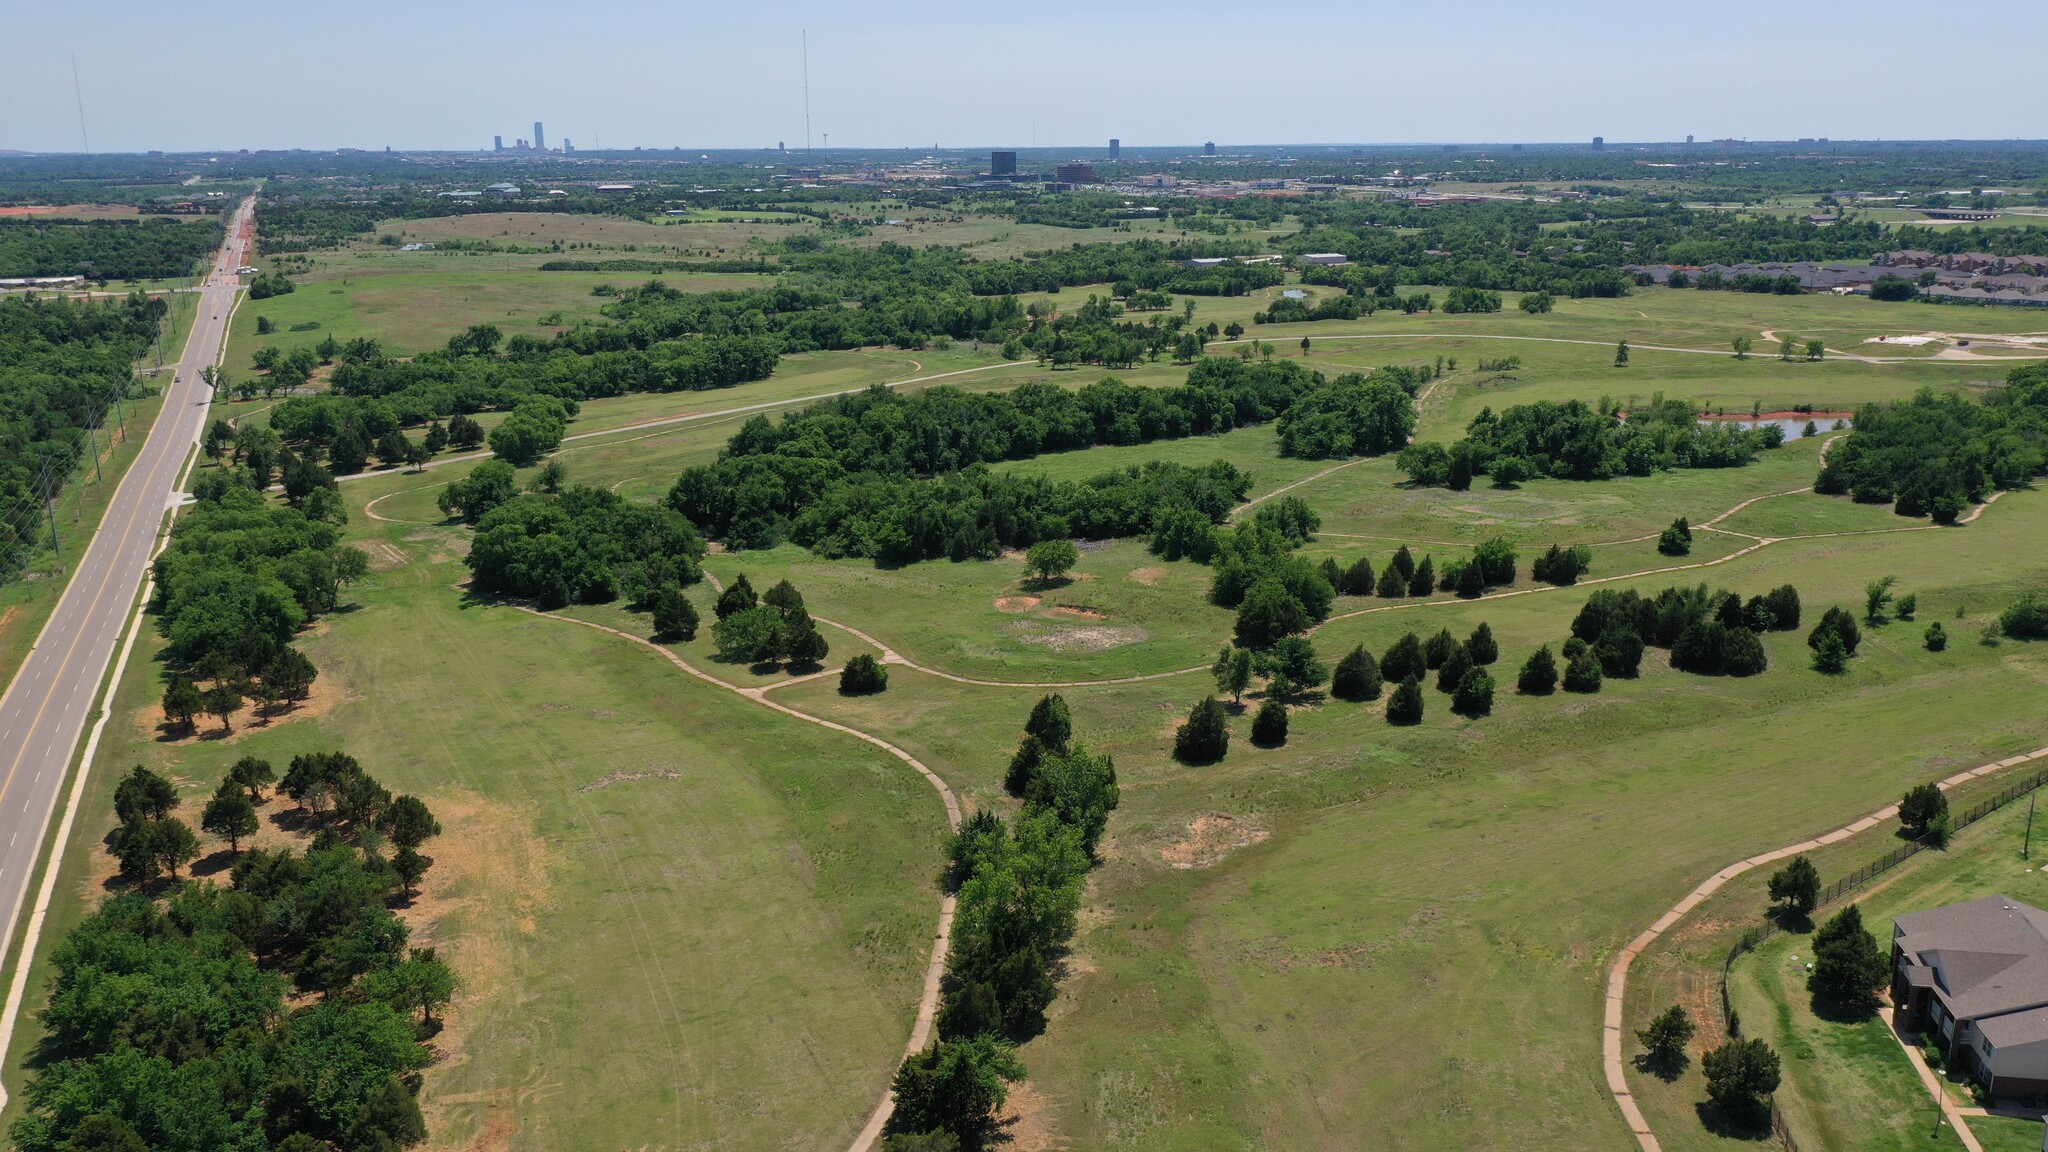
1209, 149
497, 143
1116, 149
1002, 164
1688, 137
1599, 142
540, 142
568, 145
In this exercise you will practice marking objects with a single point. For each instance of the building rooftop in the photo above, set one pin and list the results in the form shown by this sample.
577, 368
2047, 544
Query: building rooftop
1989, 956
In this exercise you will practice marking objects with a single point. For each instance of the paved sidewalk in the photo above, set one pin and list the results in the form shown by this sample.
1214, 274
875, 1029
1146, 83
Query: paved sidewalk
1931, 1080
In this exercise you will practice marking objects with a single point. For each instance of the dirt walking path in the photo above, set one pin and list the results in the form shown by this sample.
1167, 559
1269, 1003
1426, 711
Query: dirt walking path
1617, 980
928, 1001
1727, 352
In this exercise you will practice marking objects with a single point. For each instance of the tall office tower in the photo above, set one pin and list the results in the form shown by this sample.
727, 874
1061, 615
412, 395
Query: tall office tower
568, 145
540, 142
1209, 149
1002, 164
1599, 142
497, 143
1116, 149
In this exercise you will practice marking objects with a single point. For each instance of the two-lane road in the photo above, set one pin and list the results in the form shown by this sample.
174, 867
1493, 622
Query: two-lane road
46, 707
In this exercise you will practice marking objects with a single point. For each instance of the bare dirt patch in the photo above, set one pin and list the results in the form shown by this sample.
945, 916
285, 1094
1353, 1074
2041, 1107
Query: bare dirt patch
628, 777
1149, 577
327, 695
1075, 612
384, 556
1027, 1121
1015, 604
1076, 637
1210, 839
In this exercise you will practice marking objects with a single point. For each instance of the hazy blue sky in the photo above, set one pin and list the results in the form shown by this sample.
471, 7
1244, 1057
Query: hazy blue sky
451, 73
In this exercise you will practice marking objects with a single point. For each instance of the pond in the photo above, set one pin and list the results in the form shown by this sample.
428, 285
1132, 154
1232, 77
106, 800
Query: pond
1794, 425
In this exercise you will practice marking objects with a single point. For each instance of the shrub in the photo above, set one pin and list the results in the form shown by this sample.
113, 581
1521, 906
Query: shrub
2027, 619
1539, 673
1937, 639
863, 676
1269, 726
1205, 737
1830, 657
1677, 539
1357, 677
1405, 706
1583, 673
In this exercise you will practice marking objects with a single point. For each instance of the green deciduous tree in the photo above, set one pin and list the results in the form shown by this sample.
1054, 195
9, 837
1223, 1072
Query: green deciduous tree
1876, 596
1796, 886
1922, 805
183, 701
1269, 611
1233, 672
752, 636
1049, 561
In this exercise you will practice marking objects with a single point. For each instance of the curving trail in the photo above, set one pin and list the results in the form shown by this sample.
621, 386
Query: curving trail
1617, 978
928, 1001
1725, 352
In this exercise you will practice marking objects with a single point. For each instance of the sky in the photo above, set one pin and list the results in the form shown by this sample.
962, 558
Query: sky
450, 74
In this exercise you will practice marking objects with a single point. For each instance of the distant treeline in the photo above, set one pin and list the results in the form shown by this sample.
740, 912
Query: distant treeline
61, 365
629, 264
152, 249
1572, 441
1937, 453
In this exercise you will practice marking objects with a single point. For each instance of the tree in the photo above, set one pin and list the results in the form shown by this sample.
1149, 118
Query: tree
1665, 1039
1907, 606
1847, 967
1922, 805
222, 701
436, 439
1292, 666
863, 676
1357, 677
1452, 671
2026, 619
143, 795
1539, 673
1269, 611
420, 982
1405, 705
1392, 584
1205, 737
1562, 566
1876, 595
1830, 657
1269, 726
1424, 580
1815, 349
802, 643
784, 598
411, 867
1358, 579
229, 815
408, 822
1796, 886
1537, 303
1481, 645
1742, 346
104, 1132
183, 701
1935, 637
937, 1140
674, 615
737, 597
1438, 649
1233, 672
1050, 560
1839, 624
1404, 659
957, 1086
1784, 605
488, 485
1582, 674
1893, 288
752, 636
1473, 695
173, 843
291, 674
1677, 539
1051, 722
1741, 1074
254, 775
1621, 354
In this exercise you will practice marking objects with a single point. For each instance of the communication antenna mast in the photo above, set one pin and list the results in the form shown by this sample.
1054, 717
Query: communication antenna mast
807, 93
79, 95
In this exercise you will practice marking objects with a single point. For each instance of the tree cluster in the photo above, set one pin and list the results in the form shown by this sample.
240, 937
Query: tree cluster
581, 545
1709, 633
775, 630
1573, 441
1937, 453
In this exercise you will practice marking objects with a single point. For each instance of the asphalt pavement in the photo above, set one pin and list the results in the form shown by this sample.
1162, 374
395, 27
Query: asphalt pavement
50, 699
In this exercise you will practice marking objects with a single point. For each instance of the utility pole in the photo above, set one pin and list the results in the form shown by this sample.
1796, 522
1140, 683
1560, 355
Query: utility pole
2027, 849
50, 511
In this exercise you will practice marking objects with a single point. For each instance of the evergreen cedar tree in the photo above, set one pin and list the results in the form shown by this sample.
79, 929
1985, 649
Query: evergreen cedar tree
1665, 1039
1741, 1075
1358, 579
1677, 539
1392, 585
2027, 619
1438, 649
229, 815
1424, 580
1404, 659
1047, 730
1481, 646
1205, 738
1050, 560
1473, 695
1936, 638
1453, 669
1562, 566
1922, 807
1269, 726
737, 597
1405, 706
1583, 673
183, 701
674, 616
1796, 886
1847, 966
1830, 656
1539, 673
863, 676
1357, 677
957, 1087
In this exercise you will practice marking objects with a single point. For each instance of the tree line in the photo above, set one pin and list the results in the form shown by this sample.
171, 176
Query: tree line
283, 1010
1937, 453
153, 249
1575, 441
577, 544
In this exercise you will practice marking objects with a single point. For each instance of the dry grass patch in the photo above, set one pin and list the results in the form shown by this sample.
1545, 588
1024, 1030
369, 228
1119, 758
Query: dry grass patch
1210, 839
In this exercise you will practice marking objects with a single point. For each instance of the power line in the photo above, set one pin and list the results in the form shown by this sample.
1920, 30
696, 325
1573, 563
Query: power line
78, 93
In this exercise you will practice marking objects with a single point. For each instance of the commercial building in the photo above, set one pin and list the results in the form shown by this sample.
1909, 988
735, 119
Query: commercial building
1116, 149
497, 143
1076, 174
1209, 148
1599, 142
1002, 164
540, 142
1328, 258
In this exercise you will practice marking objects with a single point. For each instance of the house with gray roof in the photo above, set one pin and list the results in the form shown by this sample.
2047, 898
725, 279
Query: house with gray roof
1975, 975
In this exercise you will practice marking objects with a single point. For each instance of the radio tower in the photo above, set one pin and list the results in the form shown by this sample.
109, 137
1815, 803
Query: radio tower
807, 93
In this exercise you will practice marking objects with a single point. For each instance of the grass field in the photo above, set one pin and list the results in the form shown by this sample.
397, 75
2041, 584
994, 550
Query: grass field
1370, 937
